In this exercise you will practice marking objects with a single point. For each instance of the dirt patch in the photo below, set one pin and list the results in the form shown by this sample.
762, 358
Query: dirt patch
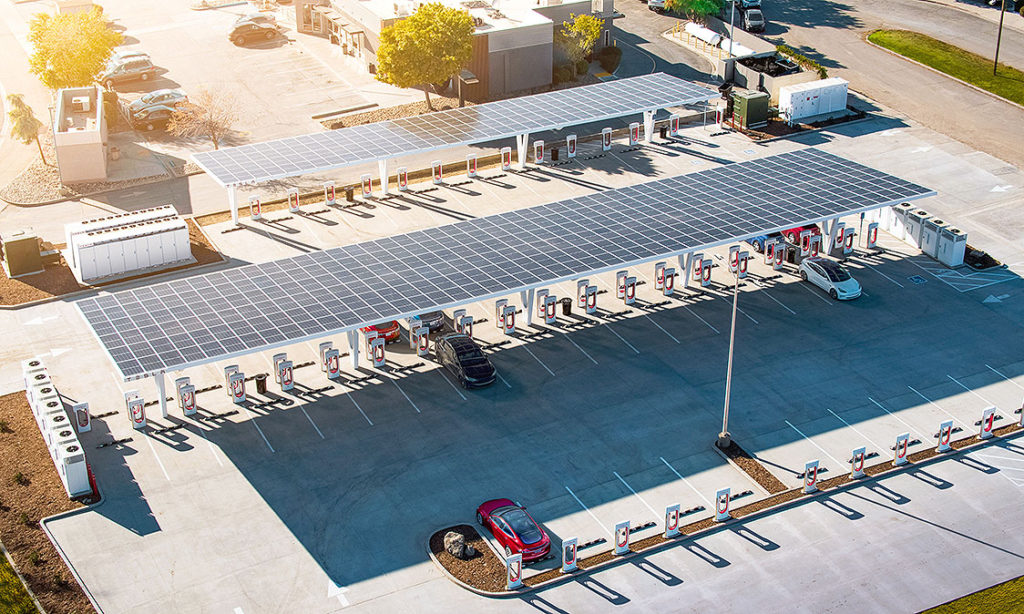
754, 469
483, 570
58, 280
440, 103
38, 494
777, 127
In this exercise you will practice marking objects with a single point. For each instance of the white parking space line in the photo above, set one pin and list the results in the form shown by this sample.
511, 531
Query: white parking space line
765, 292
258, 429
811, 441
503, 380
911, 429
1001, 374
351, 398
986, 401
445, 378
670, 335
587, 509
149, 440
311, 422
568, 337
854, 429
628, 344
694, 314
815, 292
882, 274
626, 484
685, 481
936, 406
541, 362
395, 382
738, 308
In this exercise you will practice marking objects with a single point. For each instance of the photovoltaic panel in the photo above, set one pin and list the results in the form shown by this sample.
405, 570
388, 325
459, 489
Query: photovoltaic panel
187, 322
321, 151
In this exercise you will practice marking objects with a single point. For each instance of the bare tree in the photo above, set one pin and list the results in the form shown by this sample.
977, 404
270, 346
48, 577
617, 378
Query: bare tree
207, 115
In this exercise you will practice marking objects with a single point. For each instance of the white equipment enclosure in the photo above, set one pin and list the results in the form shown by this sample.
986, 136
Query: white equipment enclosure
659, 275
900, 451
293, 201
722, 505
255, 209
570, 146
857, 463
622, 538
285, 375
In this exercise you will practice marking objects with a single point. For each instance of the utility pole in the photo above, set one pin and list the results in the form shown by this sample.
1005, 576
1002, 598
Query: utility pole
999, 36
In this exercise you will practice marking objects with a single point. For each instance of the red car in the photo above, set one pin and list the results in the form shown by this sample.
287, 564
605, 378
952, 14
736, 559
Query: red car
514, 529
793, 234
388, 330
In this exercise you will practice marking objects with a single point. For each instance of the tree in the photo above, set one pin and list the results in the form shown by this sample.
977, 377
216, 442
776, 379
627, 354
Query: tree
24, 125
427, 47
696, 10
70, 49
206, 115
577, 37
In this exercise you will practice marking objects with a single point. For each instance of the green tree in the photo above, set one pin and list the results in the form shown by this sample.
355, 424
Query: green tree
24, 125
577, 37
696, 10
70, 50
427, 47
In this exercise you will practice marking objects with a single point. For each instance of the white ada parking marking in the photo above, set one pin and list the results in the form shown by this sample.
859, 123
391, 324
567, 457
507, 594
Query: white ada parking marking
587, 509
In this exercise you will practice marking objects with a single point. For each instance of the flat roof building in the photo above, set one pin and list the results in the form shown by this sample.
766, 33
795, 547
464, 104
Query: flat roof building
80, 135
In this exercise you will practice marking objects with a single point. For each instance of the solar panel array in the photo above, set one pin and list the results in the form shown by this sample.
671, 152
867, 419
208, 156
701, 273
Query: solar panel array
310, 153
202, 319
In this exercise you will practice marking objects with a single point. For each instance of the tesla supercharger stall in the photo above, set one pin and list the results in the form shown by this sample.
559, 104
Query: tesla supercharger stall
538, 152
805, 243
457, 316
549, 309
324, 348
293, 201
366, 185
403, 179
899, 456
471, 166
569, 555
988, 418
945, 434
696, 264
734, 253
277, 360
634, 134
422, 341
370, 335
228, 372
811, 476
286, 375
255, 208
620, 283
591, 300
437, 172
815, 246
722, 505
377, 352
742, 260
499, 313
332, 358
330, 193
506, 159
514, 571
570, 146
769, 251
871, 241
659, 275
629, 295
705, 273
136, 409
848, 238
671, 521
622, 538
606, 139
673, 125
83, 421
541, 298
508, 319
180, 383
779, 261
669, 286
237, 381
581, 292
857, 463
466, 326
187, 394
837, 238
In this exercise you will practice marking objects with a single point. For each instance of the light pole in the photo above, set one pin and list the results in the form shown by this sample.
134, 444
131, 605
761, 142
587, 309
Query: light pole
732, 27
999, 35
724, 439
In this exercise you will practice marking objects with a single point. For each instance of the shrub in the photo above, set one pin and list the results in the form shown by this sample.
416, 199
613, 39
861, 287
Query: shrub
5, 427
609, 57
562, 74
35, 558
59, 581
20, 479
803, 60
581, 67
23, 519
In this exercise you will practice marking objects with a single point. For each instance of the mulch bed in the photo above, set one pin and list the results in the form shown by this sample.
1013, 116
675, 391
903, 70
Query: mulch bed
483, 570
39, 494
777, 127
58, 280
754, 469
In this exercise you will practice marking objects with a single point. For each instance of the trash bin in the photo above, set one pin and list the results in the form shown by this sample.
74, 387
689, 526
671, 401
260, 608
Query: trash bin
566, 306
350, 194
554, 154
261, 383
663, 133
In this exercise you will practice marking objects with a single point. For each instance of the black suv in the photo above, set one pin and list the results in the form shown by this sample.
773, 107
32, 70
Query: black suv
462, 356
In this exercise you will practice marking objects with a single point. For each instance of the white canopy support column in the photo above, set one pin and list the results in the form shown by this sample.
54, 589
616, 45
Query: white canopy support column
382, 169
526, 298
353, 344
522, 140
685, 262
161, 390
648, 126
233, 203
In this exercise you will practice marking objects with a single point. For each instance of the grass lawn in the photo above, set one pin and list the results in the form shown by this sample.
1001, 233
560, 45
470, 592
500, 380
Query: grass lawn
14, 598
954, 61
1005, 597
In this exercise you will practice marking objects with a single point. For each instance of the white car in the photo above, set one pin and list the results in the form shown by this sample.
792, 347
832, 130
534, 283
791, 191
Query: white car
656, 5
831, 277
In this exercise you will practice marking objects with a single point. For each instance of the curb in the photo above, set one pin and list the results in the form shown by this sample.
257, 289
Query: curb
28, 589
939, 72
60, 551
736, 466
468, 587
867, 117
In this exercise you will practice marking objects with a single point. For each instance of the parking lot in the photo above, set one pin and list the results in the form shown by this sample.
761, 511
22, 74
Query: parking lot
595, 420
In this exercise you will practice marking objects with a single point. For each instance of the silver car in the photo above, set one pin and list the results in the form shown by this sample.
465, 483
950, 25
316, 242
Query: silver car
831, 277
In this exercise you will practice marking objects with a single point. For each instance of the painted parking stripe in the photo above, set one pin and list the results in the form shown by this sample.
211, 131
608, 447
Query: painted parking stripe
503, 380
936, 406
628, 344
568, 336
811, 441
912, 430
872, 267
148, 439
626, 484
311, 422
685, 481
395, 382
1001, 374
670, 335
880, 448
738, 308
449, 382
987, 402
353, 399
694, 314
587, 509
541, 362
814, 292
258, 429
765, 292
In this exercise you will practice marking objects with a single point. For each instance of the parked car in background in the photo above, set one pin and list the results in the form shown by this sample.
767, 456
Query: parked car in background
514, 529
793, 234
130, 68
656, 5
247, 31
831, 277
157, 98
124, 55
389, 330
151, 118
267, 18
753, 20
759, 241
433, 320
462, 357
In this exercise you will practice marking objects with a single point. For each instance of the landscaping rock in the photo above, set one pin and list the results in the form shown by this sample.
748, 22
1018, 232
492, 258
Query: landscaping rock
455, 544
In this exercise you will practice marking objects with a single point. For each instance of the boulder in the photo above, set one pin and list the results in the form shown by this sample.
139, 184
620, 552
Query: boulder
455, 544
470, 551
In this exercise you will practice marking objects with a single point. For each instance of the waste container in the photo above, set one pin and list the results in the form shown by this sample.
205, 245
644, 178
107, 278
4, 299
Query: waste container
261, 383
554, 154
663, 133
566, 306
350, 194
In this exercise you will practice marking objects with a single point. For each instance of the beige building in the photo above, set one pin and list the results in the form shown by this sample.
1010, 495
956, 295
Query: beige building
513, 44
80, 135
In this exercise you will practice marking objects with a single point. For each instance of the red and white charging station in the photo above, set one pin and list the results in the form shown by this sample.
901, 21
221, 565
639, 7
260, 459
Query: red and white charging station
769, 251
437, 172
581, 292
742, 258
377, 352
466, 326
457, 316
848, 235
330, 193
838, 240
857, 463
815, 245
606, 139
538, 152
673, 125
370, 335
621, 538
293, 201
620, 283
471, 166
255, 208
540, 298
697, 261
83, 421
659, 275
945, 434
734, 253
779, 262
805, 243
332, 358
506, 159
591, 299
137, 413
187, 399
422, 341
569, 555
277, 360
988, 418
323, 349
872, 238
403, 178
671, 521
549, 309
366, 185
499, 313
634, 134
900, 451
705, 273
669, 285
570, 146
629, 294
811, 477
180, 383
722, 498
228, 372
508, 319
286, 375
514, 571
237, 381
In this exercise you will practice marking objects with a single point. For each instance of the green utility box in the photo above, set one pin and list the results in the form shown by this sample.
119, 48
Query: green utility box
750, 109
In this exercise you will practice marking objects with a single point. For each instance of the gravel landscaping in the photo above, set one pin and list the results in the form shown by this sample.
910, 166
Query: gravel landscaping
754, 469
483, 570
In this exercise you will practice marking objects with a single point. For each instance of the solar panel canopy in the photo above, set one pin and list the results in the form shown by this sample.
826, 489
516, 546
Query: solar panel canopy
321, 151
209, 317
